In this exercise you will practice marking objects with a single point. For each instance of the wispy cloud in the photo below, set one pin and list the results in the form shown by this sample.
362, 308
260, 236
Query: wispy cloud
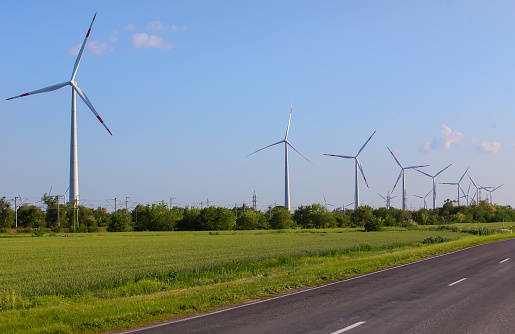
96, 47
489, 147
444, 142
143, 40
156, 25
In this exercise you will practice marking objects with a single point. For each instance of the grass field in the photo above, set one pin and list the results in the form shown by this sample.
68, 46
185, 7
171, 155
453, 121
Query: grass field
76, 263
91, 283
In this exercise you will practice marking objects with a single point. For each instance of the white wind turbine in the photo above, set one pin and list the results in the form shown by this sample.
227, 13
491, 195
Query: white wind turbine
434, 183
491, 191
476, 194
403, 178
286, 167
424, 198
458, 184
356, 175
74, 169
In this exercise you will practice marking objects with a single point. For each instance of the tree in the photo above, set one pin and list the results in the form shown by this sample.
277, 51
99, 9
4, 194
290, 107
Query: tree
361, 215
120, 222
6, 214
313, 216
155, 218
216, 218
251, 220
31, 216
281, 218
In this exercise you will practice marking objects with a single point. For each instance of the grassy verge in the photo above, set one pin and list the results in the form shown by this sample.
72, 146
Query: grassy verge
125, 306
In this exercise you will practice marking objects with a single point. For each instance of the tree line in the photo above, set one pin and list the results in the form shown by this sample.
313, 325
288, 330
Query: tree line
159, 217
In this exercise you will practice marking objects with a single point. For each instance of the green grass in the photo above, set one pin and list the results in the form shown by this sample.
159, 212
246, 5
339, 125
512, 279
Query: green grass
75, 263
111, 281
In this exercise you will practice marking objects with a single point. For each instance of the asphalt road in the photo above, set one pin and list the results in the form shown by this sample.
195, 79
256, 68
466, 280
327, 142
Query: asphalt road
469, 291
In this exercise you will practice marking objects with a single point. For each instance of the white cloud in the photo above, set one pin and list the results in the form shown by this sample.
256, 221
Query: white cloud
95, 47
143, 40
447, 138
130, 26
489, 147
156, 25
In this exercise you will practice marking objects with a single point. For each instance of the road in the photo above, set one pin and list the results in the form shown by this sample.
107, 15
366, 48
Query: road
469, 291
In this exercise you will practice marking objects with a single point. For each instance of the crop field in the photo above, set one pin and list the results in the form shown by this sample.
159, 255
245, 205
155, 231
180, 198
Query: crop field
66, 264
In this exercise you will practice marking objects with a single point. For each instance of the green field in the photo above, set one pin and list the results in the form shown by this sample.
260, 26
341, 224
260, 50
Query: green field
90, 283
74, 263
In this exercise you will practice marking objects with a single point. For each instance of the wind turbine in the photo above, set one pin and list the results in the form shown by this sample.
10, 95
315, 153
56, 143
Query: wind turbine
458, 184
74, 168
325, 203
477, 190
434, 184
357, 165
286, 168
424, 198
491, 191
403, 178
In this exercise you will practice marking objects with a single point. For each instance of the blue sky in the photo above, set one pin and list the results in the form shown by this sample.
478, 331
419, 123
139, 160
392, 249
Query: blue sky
189, 89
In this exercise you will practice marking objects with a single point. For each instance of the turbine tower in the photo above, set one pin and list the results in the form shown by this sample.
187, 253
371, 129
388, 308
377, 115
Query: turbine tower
74, 167
286, 167
434, 184
403, 178
458, 184
356, 167
388, 199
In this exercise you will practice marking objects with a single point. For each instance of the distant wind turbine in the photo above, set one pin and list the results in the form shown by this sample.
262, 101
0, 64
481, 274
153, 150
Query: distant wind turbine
458, 184
476, 194
424, 198
74, 169
434, 183
325, 202
286, 167
491, 191
356, 175
403, 178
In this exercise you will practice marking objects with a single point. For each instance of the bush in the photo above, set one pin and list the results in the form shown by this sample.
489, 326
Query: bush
373, 224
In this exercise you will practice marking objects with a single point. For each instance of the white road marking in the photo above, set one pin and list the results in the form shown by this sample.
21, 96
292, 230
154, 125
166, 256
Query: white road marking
504, 260
348, 328
461, 280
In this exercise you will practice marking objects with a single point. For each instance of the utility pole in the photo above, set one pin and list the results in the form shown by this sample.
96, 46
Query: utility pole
126, 200
16, 210
254, 201
243, 206
115, 211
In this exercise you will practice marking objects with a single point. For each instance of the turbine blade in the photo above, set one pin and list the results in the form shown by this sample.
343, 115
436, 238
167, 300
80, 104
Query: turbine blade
453, 183
289, 120
397, 180
412, 167
381, 196
299, 152
362, 174
42, 90
340, 156
497, 188
88, 103
472, 182
430, 191
362, 147
421, 172
442, 170
463, 175
282, 141
79, 56
398, 163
